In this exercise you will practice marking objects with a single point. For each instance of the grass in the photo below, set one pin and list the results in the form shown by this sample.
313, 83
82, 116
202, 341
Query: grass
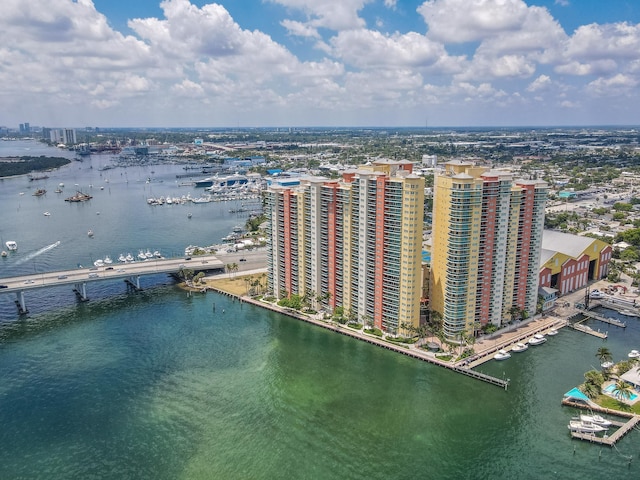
609, 402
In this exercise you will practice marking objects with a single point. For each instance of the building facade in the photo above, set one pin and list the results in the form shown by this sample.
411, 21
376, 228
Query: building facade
63, 135
353, 243
487, 234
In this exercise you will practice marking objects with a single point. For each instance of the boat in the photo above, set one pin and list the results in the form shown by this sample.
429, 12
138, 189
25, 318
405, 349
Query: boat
107, 260
3, 253
79, 197
129, 258
585, 427
189, 215
141, 255
148, 254
606, 365
98, 263
11, 245
519, 347
90, 233
58, 190
537, 339
157, 254
552, 332
597, 419
39, 192
122, 258
46, 214
633, 354
502, 355
61, 184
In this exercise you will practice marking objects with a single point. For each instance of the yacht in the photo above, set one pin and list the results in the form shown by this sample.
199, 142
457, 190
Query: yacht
3, 254
11, 245
552, 332
157, 254
122, 258
98, 263
606, 365
633, 354
537, 339
46, 214
585, 427
90, 233
142, 255
129, 258
597, 419
148, 254
107, 260
519, 347
502, 355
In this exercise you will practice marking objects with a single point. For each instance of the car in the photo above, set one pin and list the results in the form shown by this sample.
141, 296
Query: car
4, 286
62, 277
187, 258
243, 259
109, 268
204, 261
121, 270
93, 275
93, 268
27, 282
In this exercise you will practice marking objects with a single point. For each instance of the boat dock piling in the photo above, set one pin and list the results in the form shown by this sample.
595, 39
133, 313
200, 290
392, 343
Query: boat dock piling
588, 330
600, 318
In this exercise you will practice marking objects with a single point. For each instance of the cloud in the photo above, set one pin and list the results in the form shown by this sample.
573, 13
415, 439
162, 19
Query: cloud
336, 15
541, 83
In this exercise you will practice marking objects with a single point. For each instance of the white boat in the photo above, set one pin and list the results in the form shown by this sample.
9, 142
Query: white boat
606, 365
585, 427
122, 258
46, 214
98, 263
537, 339
90, 233
633, 354
552, 332
502, 355
141, 255
3, 254
107, 260
129, 258
597, 419
148, 254
157, 254
61, 184
189, 215
519, 347
11, 245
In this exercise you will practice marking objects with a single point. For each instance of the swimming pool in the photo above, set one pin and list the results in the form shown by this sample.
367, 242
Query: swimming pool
609, 391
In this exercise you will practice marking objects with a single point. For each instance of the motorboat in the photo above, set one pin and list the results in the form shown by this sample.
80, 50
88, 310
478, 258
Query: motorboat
3, 253
122, 258
157, 254
107, 260
142, 255
633, 354
98, 263
597, 419
189, 215
11, 245
148, 254
502, 355
606, 365
585, 427
129, 258
552, 332
46, 214
537, 339
519, 347
90, 233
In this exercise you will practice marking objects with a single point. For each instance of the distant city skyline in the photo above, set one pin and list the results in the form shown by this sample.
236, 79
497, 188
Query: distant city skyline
280, 63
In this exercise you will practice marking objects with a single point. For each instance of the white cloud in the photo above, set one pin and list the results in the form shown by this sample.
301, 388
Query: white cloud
541, 83
334, 15
617, 85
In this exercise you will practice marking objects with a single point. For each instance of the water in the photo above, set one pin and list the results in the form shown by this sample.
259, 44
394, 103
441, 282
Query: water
159, 385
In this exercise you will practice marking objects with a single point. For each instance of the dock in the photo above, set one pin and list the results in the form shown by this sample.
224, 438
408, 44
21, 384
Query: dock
609, 440
588, 330
600, 318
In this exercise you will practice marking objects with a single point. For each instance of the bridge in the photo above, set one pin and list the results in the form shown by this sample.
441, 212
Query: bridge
79, 277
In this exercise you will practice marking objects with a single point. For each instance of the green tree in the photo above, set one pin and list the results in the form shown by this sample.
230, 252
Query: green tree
604, 355
622, 391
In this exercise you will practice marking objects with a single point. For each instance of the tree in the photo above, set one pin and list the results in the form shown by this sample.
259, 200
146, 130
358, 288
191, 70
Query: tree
622, 391
604, 355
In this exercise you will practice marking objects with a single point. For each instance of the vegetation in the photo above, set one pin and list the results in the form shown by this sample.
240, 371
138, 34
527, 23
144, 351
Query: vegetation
24, 165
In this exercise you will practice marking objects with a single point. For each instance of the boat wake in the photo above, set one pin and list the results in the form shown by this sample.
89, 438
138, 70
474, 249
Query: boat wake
33, 255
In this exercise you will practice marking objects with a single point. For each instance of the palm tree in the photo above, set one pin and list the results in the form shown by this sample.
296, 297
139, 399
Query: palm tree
622, 390
604, 355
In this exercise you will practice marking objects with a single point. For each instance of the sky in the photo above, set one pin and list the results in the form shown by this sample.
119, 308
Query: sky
306, 63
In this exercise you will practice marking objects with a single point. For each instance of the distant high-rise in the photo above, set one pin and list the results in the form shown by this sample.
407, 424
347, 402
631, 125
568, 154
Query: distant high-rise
63, 135
487, 234
353, 243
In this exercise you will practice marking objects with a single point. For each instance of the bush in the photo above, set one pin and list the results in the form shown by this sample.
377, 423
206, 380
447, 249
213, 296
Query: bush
373, 331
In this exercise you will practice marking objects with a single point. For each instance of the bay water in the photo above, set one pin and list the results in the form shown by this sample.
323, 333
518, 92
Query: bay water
161, 385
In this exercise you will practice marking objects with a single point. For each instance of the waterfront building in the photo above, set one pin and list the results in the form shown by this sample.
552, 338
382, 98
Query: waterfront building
487, 235
353, 243
569, 262
66, 136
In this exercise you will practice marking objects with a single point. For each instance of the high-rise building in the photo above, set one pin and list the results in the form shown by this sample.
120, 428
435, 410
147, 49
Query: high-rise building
63, 135
487, 234
353, 243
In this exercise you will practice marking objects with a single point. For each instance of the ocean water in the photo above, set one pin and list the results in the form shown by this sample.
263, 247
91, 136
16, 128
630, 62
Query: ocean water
162, 385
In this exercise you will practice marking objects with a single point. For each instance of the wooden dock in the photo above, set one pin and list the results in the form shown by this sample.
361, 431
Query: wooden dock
600, 318
609, 440
588, 330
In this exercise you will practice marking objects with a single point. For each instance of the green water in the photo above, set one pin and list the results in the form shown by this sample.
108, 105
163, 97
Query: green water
158, 385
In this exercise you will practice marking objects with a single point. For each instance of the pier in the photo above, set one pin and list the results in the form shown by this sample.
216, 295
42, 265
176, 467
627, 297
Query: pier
588, 330
609, 440
601, 318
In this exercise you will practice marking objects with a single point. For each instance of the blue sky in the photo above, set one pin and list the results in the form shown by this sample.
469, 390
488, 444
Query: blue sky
252, 63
